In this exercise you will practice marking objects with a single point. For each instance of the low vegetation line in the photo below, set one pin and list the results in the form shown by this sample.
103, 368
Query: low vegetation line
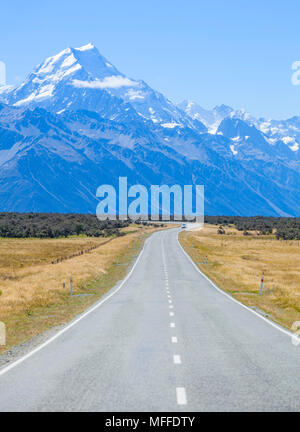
236, 263
55, 225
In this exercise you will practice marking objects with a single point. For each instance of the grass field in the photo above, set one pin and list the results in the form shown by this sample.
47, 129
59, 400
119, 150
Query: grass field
35, 288
236, 264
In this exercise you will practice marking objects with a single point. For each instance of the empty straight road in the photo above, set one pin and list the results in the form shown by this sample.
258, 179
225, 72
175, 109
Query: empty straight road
167, 340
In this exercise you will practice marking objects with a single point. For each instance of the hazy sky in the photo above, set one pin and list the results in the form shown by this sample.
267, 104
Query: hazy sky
236, 52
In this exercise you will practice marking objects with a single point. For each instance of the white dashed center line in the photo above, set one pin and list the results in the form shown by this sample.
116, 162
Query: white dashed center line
177, 359
180, 391
181, 396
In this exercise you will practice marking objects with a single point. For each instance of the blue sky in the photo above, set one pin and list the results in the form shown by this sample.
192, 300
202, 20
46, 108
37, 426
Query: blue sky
236, 52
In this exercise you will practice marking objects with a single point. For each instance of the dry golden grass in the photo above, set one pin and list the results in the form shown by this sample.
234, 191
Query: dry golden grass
236, 264
21, 253
32, 295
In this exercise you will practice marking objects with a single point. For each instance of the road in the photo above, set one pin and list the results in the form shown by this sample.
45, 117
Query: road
164, 340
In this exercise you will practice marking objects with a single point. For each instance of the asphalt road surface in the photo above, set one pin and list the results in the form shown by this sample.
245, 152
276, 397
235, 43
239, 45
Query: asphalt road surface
163, 340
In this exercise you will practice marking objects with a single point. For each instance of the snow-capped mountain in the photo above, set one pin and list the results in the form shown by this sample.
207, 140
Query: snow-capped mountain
77, 122
81, 78
274, 131
210, 118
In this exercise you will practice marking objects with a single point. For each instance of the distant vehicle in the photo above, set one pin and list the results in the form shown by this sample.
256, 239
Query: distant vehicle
183, 226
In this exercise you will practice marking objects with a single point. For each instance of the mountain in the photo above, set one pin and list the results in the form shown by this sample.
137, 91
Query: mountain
210, 118
81, 78
274, 131
77, 122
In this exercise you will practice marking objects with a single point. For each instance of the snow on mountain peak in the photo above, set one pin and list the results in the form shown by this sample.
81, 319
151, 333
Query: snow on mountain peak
211, 118
81, 78
6, 89
87, 47
79, 65
71, 60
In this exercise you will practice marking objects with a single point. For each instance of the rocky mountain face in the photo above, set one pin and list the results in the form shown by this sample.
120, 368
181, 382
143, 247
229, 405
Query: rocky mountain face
76, 122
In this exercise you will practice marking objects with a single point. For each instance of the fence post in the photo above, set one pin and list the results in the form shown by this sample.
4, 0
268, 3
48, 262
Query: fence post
71, 285
2, 333
262, 284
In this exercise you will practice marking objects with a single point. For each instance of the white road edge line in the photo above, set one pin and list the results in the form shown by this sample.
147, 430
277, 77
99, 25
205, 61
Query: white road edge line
181, 396
96, 306
286, 332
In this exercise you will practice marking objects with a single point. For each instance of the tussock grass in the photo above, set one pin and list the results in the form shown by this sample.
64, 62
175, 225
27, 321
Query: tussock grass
236, 264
